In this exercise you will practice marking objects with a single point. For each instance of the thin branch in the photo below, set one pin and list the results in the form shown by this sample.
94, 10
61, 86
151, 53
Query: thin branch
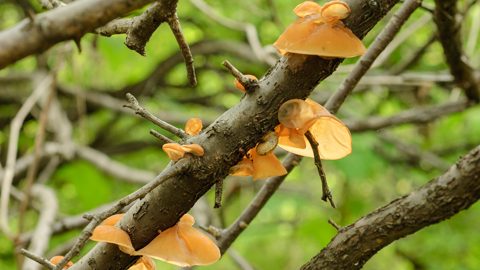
37, 259
438, 200
449, 33
184, 48
415, 115
60, 24
15, 127
43, 231
247, 82
135, 106
326, 194
218, 193
366, 61
164, 139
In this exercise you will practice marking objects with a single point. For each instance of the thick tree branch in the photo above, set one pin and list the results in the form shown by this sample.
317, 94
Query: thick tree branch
438, 200
225, 140
449, 33
60, 24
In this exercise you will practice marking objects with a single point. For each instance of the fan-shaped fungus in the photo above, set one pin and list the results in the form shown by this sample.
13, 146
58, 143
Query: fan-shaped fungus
333, 137
319, 31
240, 86
182, 245
193, 126
176, 151
56, 259
109, 233
258, 166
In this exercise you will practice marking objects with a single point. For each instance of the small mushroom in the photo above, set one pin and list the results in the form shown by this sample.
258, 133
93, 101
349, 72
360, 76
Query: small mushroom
307, 8
268, 143
109, 233
333, 137
266, 165
176, 151
320, 32
242, 168
193, 126
56, 259
182, 245
195, 149
240, 86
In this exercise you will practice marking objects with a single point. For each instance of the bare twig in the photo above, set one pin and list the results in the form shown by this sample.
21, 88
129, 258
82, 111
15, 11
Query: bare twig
135, 106
184, 48
415, 115
16, 125
335, 225
326, 194
38, 259
366, 61
164, 139
449, 33
218, 193
43, 230
33, 168
247, 82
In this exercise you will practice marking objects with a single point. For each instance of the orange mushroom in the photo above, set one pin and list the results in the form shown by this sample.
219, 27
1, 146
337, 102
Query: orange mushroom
182, 245
109, 233
56, 259
193, 126
176, 151
240, 86
258, 166
319, 31
333, 137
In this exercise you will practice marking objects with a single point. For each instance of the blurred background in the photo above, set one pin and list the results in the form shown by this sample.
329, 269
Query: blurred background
389, 159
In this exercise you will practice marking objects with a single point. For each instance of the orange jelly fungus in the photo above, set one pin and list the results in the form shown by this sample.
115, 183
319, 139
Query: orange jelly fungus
258, 166
320, 31
56, 259
193, 126
298, 116
182, 245
240, 86
176, 151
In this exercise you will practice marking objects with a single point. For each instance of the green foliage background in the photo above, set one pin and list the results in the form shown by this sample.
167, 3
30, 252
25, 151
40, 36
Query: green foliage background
293, 226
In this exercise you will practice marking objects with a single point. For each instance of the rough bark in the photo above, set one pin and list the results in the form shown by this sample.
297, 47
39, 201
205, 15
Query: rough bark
438, 200
226, 140
69, 22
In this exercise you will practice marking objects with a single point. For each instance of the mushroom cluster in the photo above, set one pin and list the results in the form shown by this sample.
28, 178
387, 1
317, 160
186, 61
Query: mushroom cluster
319, 30
181, 244
176, 151
298, 116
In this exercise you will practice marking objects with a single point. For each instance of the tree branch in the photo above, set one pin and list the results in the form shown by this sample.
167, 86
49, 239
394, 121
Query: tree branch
438, 200
60, 24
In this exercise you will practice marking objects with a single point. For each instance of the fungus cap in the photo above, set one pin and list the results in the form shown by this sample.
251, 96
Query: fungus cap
242, 168
174, 151
195, 149
305, 36
307, 8
296, 113
268, 143
109, 233
193, 126
332, 135
144, 263
182, 245
334, 11
266, 165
